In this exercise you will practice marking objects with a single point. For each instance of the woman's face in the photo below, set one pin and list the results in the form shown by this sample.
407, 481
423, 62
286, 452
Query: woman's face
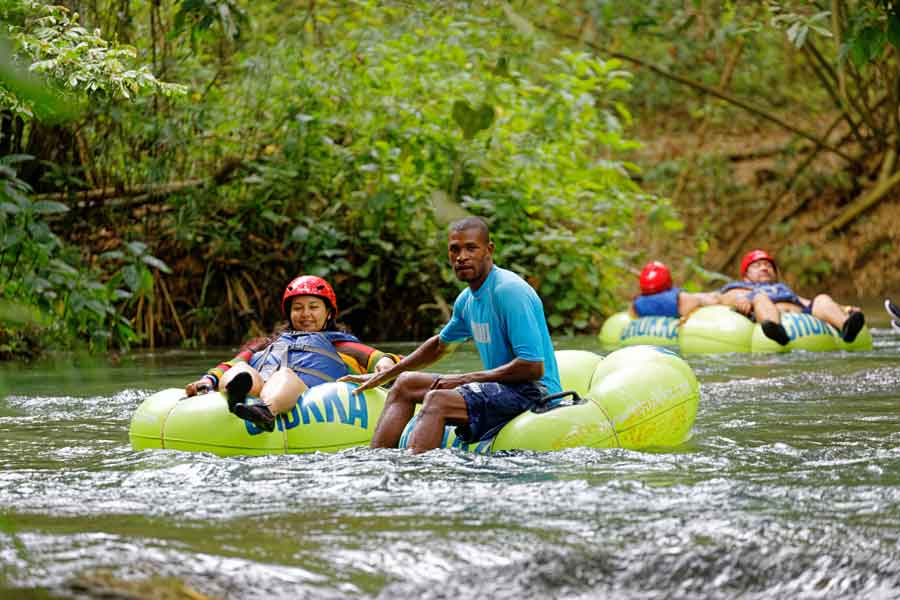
308, 313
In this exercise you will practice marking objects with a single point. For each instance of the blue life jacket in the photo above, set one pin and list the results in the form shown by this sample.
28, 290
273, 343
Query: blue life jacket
777, 292
663, 304
311, 355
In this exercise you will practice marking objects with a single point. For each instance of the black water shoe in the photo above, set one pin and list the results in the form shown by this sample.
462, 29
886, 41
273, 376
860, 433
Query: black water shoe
258, 414
237, 389
892, 309
852, 326
776, 331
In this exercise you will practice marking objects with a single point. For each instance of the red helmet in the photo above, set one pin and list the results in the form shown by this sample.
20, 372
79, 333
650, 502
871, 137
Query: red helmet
655, 278
753, 256
309, 285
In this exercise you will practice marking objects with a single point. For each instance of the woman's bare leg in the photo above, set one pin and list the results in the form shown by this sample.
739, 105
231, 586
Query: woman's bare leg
242, 367
282, 390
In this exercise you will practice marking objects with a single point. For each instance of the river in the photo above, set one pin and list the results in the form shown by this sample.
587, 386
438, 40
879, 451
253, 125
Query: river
790, 488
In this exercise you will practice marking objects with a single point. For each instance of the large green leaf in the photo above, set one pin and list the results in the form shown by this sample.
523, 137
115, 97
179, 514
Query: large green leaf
46, 207
132, 278
472, 120
157, 263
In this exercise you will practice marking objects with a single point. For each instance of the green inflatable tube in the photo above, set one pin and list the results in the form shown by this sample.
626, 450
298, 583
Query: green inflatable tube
717, 329
327, 418
639, 397
620, 330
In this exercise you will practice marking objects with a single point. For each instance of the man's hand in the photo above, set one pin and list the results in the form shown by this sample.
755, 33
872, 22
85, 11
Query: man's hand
256, 344
449, 382
201, 386
365, 381
384, 363
743, 305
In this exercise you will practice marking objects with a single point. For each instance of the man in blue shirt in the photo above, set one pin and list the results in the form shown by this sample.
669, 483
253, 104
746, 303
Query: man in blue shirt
504, 316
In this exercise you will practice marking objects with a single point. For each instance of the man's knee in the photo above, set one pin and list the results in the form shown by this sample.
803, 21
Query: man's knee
762, 300
402, 390
446, 404
435, 402
405, 380
823, 299
409, 387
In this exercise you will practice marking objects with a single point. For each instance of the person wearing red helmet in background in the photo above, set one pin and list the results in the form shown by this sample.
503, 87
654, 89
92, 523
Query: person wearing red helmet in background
659, 299
306, 351
761, 296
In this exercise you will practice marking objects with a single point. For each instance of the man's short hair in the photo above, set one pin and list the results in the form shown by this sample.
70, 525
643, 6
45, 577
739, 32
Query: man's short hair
472, 223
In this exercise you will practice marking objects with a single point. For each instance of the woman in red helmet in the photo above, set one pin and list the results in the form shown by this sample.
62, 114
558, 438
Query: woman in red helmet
307, 351
659, 299
761, 296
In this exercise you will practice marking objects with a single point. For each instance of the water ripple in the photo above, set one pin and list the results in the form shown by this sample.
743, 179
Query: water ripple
790, 487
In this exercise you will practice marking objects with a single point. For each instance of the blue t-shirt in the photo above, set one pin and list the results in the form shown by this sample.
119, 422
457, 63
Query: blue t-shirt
505, 319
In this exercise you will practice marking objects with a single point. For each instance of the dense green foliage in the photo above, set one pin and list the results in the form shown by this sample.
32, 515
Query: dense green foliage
50, 298
369, 152
339, 138
50, 42
821, 76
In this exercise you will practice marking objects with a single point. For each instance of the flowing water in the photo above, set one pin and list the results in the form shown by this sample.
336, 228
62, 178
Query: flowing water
790, 488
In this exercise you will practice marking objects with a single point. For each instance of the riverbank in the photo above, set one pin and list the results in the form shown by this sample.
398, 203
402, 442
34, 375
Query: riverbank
729, 181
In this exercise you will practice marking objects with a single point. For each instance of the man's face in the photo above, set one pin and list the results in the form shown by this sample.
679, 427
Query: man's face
471, 255
761, 271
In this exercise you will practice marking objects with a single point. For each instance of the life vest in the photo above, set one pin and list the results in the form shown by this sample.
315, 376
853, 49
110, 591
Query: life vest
311, 355
777, 292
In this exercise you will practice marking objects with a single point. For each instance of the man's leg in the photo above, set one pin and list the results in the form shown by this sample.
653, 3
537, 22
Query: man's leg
826, 309
892, 308
408, 390
687, 303
440, 407
769, 318
894, 311
765, 309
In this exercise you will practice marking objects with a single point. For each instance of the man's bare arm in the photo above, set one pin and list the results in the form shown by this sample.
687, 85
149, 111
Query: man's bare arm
515, 371
426, 354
